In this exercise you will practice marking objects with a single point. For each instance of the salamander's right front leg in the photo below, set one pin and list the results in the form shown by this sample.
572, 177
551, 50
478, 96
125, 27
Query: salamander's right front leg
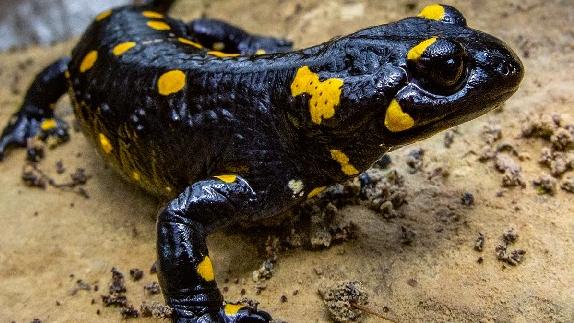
185, 270
36, 116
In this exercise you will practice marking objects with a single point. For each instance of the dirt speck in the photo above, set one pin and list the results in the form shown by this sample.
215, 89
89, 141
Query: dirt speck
152, 288
136, 274
155, 310
545, 184
479, 243
340, 297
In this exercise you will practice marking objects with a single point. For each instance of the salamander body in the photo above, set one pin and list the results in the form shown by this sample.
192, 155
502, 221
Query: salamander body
230, 126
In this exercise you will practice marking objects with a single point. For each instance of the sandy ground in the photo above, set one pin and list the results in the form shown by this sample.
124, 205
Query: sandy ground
49, 239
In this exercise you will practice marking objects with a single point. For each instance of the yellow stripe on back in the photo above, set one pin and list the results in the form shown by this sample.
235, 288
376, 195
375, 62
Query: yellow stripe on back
171, 82
120, 49
158, 25
88, 61
189, 42
220, 54
152, 14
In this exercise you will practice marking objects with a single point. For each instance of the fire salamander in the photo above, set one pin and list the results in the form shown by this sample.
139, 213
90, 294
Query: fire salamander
230, 126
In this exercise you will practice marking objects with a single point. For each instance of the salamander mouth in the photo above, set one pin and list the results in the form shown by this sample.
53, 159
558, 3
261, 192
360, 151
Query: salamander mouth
432, 113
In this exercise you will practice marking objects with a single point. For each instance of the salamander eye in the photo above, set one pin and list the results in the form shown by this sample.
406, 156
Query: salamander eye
438, 65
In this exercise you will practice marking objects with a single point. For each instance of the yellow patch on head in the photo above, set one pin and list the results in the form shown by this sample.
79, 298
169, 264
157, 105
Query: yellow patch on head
396, 120
189, 42
433, 11
220, 54
105, 143
171, 82
227, 178
136, 176
343, 160
152, 14
158, 25
67, 74
103, 15
88, 61
316, 191
325, 95
48, 124
120, 49
205, 269
260, 52
417, 51
232, 309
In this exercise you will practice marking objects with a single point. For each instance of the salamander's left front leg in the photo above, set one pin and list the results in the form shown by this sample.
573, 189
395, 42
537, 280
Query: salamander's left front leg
185, 270
35, 118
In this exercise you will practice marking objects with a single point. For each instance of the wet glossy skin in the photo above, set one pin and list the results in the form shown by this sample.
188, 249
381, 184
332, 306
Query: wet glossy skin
236, 138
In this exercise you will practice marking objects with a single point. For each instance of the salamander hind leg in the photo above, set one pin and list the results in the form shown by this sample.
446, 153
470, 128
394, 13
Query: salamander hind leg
223, 37
185, 269
35, 118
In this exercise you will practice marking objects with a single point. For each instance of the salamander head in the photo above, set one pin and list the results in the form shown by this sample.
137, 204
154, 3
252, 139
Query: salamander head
453, 74
410, 79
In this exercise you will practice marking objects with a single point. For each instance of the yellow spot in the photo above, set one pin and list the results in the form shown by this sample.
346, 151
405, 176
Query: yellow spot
227, 178
342, 159
417, 51
396, 120
158, 25
120, 49
205, 269
105, 144
152, 14
433, 11
171, 82
103, 15
232, 309
136, 176
67, 74
316, 191
168, 189
325, 95
189, 42
220, 54
48, 124
88, 61
260, 52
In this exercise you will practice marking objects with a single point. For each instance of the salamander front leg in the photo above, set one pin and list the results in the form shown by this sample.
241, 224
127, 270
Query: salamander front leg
35, 118
221, 36
185, 269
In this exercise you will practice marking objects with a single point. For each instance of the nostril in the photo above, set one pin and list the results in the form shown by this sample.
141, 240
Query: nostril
504, 69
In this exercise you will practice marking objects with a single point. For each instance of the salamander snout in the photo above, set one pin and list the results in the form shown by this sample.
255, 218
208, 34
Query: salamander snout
512, 71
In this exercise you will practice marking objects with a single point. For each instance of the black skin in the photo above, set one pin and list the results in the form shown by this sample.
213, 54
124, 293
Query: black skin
236, 115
